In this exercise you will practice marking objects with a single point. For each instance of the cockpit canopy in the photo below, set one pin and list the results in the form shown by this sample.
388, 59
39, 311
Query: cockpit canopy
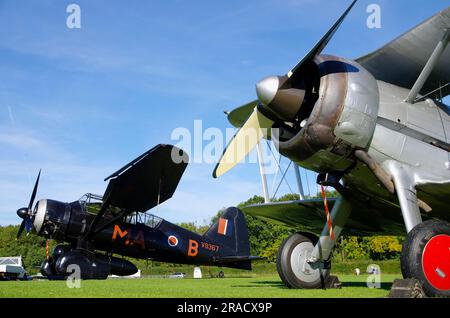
91, 203
147, 219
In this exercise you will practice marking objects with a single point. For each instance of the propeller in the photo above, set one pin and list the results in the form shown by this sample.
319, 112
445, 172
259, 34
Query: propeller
279, 101
246, 138
27, 213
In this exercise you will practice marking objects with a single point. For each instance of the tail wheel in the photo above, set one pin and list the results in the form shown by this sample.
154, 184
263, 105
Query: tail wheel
426, 257
292, 265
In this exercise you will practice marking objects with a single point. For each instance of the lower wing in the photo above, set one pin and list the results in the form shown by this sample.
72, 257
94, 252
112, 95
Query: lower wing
308, 215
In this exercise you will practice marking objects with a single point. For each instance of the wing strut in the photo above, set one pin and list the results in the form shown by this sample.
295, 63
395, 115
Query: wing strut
91, 230
298, 178
428, 68
262, 172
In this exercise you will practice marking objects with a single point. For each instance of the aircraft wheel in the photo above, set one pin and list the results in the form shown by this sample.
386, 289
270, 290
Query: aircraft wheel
426, 257
292, 267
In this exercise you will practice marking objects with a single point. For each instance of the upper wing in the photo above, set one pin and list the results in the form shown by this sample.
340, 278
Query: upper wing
401, 61
146, 181
308, 215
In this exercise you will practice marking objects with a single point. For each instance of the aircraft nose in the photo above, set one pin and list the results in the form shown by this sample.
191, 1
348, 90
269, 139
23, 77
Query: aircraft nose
267, 88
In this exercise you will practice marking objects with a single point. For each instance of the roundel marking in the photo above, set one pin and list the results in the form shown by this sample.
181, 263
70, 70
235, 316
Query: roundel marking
172, 240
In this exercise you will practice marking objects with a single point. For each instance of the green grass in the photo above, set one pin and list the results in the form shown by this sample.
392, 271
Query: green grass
262, 268
263, 286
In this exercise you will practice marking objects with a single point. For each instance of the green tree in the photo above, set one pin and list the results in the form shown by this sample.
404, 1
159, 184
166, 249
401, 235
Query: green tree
384, 247
193, 227
351, 247
30, 246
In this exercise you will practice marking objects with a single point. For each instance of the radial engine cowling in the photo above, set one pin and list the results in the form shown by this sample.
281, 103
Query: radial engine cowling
342, 119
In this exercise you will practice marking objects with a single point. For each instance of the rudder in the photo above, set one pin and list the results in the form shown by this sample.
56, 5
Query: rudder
231, 230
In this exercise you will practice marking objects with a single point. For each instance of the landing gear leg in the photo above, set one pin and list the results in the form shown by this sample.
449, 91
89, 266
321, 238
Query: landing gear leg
339, 215
303, 259
406, 193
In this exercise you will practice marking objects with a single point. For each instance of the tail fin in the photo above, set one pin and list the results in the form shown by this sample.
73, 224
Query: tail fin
231, 231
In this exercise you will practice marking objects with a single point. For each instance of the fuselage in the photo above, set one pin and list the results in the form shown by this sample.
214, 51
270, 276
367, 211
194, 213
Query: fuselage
159, 240
143, 236
415, 135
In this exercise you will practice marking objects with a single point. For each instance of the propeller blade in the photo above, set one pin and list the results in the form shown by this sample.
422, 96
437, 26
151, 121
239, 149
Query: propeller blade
28, 224
21, 228
246, 138
33, 195
317, 49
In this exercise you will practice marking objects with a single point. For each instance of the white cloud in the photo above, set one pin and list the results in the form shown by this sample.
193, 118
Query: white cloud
21, 141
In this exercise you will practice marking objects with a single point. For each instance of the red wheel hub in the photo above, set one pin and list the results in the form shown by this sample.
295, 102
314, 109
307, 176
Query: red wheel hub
436, 261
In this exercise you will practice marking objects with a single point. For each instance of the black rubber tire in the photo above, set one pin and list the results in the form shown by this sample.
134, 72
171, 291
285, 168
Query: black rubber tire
284, 267
411, 256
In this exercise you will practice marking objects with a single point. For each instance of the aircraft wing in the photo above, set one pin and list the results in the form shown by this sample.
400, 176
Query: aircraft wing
401, 61
146, 181
309, 216
305, 213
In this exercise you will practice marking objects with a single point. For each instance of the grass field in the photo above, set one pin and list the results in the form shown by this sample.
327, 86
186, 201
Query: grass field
263, 286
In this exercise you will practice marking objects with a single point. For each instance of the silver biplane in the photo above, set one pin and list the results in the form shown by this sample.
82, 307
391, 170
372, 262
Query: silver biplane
376, 130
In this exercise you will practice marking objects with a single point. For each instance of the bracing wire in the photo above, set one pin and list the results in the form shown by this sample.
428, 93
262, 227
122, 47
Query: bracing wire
276, 175
307, 183
284, 174
281, 181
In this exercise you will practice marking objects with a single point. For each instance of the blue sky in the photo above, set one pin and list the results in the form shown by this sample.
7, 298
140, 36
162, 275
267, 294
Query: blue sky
80, 103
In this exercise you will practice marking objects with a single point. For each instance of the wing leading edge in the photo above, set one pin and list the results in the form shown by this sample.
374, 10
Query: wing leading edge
308, 215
